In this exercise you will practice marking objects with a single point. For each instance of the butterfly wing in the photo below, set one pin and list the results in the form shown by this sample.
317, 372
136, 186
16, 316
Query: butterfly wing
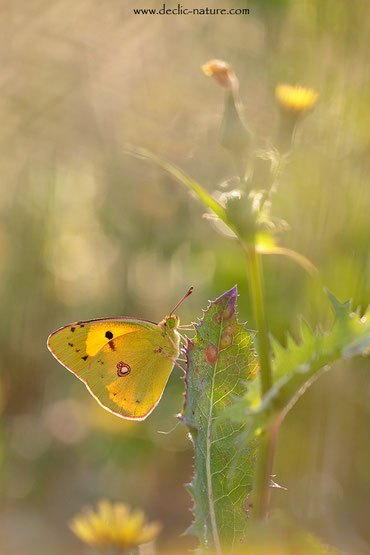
75, 345
128, 375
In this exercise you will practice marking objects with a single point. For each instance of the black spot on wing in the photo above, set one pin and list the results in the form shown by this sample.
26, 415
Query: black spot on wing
109, 335
73, 329
85, 357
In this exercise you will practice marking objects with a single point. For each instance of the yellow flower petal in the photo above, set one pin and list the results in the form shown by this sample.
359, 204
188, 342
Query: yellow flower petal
150, 532
84, 531
295, 98
113, 525
133, 527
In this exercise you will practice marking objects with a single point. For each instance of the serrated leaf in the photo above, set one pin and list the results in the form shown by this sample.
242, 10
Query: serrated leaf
298, 365
220, 366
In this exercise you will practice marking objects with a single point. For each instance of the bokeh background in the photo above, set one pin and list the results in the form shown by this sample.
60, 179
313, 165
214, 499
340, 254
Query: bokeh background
87, 231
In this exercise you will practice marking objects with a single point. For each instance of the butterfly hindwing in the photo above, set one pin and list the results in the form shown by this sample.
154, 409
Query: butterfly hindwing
75, 345
128, 375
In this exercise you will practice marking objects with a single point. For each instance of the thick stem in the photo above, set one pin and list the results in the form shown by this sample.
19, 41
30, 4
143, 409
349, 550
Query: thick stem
261, 489
256, 288
262, 478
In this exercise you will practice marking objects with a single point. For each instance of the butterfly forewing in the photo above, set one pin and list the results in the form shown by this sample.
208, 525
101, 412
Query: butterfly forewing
75, 345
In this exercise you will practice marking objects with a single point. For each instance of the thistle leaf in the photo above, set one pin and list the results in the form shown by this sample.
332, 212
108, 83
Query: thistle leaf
220, 366
298, 365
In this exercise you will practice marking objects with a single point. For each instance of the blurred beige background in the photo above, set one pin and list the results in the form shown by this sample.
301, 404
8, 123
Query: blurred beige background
86, 231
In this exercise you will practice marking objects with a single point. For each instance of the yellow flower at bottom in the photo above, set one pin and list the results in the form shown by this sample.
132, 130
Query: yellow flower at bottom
113, 524
295, 98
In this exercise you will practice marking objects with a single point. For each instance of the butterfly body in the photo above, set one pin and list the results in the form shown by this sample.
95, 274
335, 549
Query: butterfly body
125, 363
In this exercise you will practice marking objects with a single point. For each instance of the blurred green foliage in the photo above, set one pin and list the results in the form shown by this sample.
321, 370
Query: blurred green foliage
86, 232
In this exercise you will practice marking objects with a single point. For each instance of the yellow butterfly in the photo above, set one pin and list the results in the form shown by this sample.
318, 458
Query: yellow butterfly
125, 363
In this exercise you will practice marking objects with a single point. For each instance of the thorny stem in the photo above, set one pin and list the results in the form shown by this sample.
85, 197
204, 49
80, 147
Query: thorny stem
261, 490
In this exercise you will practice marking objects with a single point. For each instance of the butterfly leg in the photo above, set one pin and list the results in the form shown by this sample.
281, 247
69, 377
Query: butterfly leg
175, 362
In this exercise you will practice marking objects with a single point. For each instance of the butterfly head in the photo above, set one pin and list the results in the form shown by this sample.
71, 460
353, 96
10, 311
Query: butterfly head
170, 323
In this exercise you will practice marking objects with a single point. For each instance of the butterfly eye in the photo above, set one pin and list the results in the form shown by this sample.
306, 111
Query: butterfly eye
123, 369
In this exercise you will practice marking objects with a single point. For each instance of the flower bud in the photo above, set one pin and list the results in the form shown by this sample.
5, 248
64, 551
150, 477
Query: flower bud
221, 73
234, 133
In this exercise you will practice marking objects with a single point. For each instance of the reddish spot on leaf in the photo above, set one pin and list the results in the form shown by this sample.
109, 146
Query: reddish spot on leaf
218, 318
211, 353
229, 311
252, 374
226, 339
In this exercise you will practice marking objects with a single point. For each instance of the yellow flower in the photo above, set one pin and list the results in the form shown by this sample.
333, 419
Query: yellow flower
112, 524
221, 73
295, 99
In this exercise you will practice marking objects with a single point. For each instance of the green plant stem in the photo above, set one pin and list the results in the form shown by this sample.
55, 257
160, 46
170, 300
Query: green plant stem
262, 479
261, 490
256, 288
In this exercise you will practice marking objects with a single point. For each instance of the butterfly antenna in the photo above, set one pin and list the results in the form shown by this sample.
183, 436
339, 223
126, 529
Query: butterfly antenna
182, 299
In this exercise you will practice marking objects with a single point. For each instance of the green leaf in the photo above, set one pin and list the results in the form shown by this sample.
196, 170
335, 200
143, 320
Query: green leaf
220, 366
202, 194
298, 365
